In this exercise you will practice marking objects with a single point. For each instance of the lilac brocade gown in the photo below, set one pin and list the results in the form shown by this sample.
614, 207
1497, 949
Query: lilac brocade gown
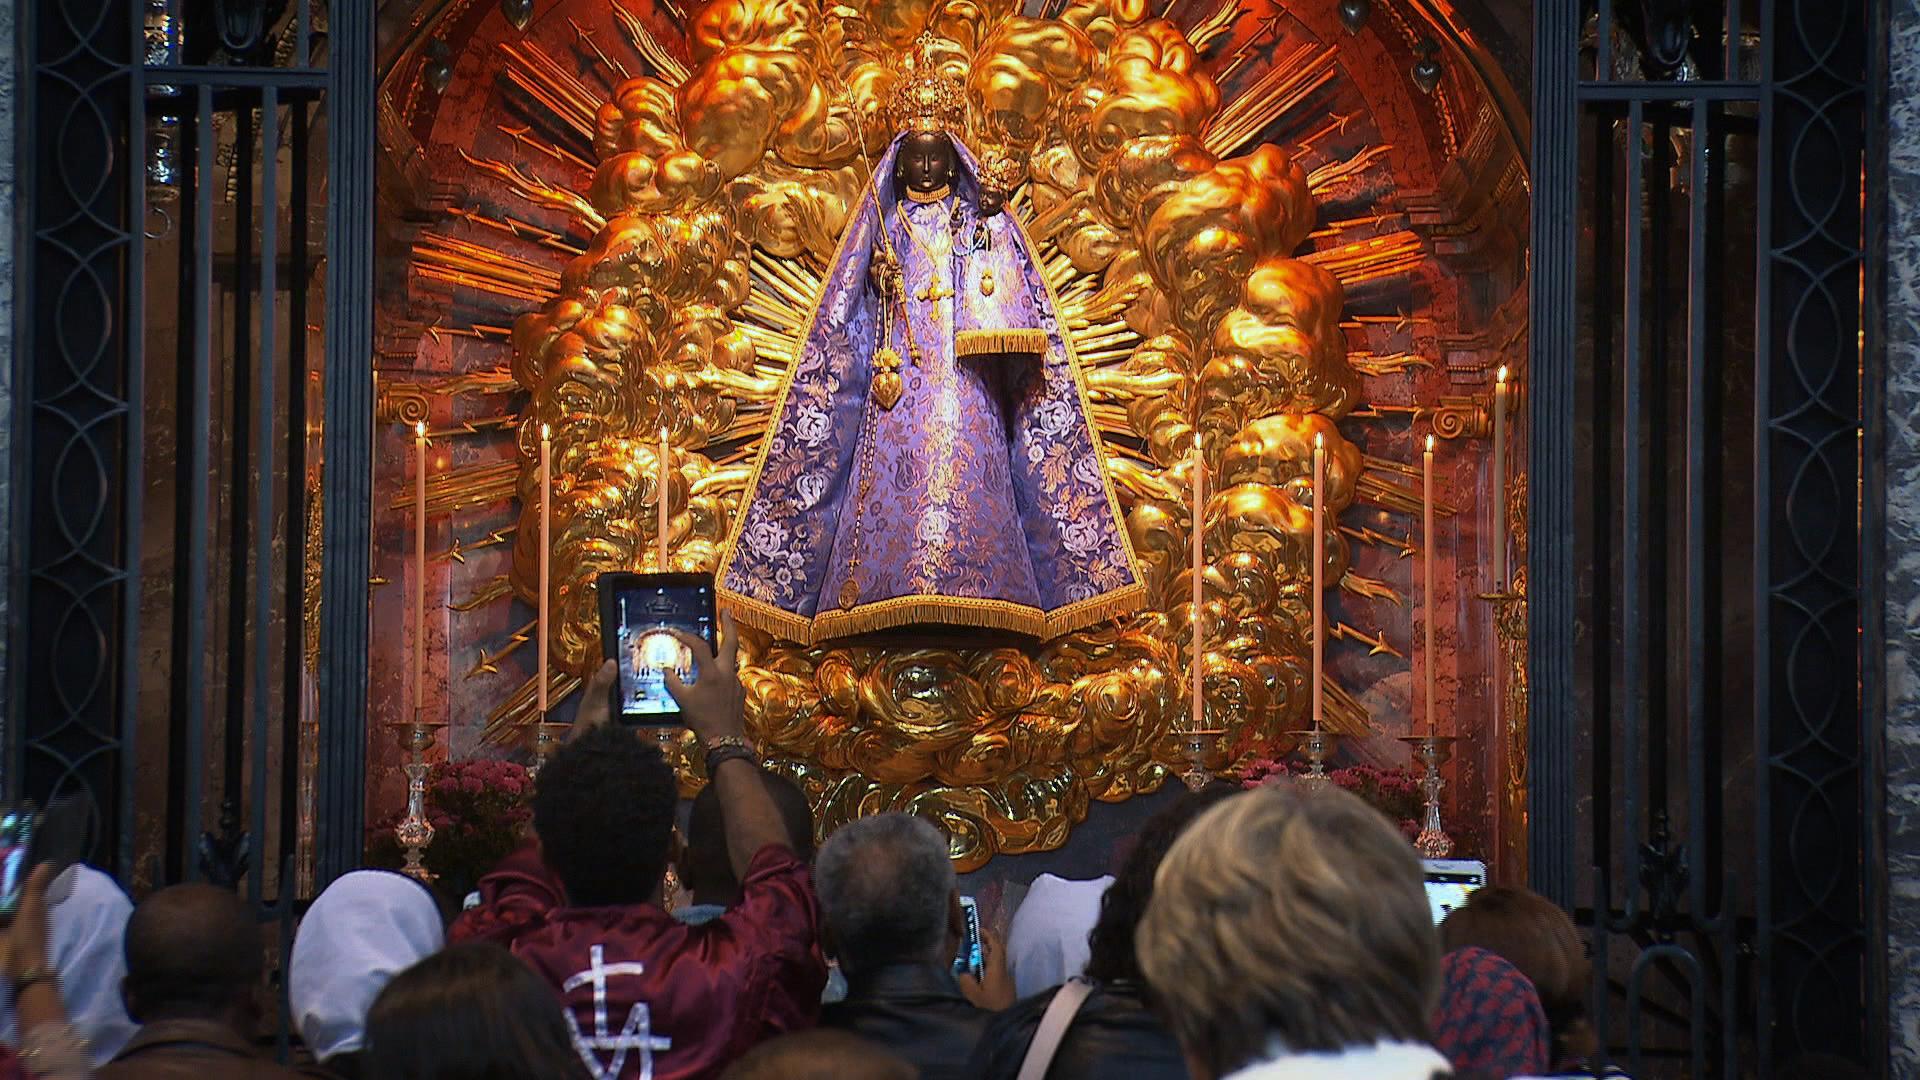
979, 498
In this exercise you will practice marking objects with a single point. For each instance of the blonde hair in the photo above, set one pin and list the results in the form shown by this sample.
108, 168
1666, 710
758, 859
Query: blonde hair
1290, 914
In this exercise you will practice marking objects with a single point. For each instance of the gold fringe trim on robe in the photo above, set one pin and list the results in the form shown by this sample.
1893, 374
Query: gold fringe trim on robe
901, 611
1030, 342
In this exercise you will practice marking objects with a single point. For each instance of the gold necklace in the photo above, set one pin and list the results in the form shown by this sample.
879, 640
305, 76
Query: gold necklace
935, 290
938, 194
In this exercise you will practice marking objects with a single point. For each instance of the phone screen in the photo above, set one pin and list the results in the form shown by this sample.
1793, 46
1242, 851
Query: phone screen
971, 958
645, 652
17, 827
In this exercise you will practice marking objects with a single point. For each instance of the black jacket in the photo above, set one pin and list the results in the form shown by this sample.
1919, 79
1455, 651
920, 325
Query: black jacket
915, 1011
1113, 1034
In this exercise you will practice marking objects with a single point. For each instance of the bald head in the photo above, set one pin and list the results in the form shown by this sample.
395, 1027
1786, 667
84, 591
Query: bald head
193, 951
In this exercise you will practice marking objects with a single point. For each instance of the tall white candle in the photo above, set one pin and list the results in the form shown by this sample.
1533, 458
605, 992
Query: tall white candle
546, 553
1427, 582
663, 487
1199, 573
1500, 481
420, 567
1319, 574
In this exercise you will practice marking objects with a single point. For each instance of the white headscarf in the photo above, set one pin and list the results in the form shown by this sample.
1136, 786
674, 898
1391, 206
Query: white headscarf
1047, 943
87, 930
364, 929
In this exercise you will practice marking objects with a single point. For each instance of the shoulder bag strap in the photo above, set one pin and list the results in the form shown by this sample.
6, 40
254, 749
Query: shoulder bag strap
1053, 1028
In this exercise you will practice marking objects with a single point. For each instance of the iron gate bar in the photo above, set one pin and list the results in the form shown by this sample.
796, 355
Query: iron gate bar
348, 482
133, 317
1873, 510
191, 528
1551, 610
1705, 90
294, 645
240, 390
263, 524
237, 77
1602, 42
1632, 669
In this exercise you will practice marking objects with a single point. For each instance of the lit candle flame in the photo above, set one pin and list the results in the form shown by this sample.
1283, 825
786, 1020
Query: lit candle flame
1319, 440
420, 429
546, 432
1501, 375
1429, 444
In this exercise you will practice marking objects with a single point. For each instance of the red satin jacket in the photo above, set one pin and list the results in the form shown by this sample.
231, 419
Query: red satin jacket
649, 997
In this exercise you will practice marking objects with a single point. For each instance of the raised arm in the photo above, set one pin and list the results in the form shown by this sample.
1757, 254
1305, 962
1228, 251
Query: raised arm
714, 707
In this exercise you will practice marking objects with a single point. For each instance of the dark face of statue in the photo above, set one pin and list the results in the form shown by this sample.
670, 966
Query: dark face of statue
926, 163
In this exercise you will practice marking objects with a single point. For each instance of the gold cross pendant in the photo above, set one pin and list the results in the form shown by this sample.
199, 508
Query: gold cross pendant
935, 292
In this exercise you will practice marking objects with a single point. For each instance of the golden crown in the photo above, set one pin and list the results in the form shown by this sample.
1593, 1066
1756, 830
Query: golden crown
924, 98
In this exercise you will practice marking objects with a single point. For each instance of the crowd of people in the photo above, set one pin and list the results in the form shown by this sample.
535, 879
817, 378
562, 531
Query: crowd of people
1278, 932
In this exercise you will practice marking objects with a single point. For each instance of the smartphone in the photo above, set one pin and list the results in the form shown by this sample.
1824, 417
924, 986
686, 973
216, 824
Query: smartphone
1450, 882
30, 836
971, 958
635, 612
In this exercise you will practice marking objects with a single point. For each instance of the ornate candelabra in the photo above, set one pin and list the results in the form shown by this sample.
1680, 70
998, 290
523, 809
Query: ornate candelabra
1197, 747
543, 744
1318, 744
1433, 841
415, 832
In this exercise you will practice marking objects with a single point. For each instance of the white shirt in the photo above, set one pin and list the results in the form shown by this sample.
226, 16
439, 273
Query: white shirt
1047, 942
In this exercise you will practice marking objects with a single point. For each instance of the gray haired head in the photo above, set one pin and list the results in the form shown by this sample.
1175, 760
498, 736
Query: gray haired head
886, 885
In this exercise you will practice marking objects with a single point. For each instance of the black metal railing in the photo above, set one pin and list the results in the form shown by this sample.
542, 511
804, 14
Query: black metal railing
197, 265
1698, 573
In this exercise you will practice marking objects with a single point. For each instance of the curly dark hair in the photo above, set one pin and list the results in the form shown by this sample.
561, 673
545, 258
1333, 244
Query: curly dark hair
603, 807
1110, 944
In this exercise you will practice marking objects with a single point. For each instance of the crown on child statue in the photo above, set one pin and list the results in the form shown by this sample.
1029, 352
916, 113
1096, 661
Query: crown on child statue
925, 99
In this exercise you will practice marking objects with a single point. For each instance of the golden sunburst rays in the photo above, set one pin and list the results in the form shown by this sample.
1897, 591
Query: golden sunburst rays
510, 719
1372, 363
494, 588
587, 39
666, 66
529, 186
465, 487
1376, 643
1281, 88
520, 230
454, 261
1360, 261
460, 549
541, 78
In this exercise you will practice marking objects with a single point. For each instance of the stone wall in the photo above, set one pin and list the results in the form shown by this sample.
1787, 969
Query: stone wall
1902, 615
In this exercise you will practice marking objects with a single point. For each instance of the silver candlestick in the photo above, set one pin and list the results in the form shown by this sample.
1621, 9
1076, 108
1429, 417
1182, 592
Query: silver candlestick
415, 832
1433, 750
543, 744
1318, 745
1196, 748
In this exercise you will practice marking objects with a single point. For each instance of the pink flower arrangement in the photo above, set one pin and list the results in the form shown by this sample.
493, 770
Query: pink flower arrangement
479, 813
1393, 792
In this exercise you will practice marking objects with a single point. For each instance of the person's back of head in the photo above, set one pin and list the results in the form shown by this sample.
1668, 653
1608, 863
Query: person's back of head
473, 1012
361, 931
1489, 1021
706, 869
193, 953
1289, 915
1111, 953
603, 809
820, 1054
1534, 935
887, 888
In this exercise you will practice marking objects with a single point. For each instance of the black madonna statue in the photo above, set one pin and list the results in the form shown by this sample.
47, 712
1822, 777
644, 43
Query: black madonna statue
932, 460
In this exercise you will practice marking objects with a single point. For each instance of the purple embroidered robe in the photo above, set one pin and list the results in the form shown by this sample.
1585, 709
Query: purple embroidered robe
980, 497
